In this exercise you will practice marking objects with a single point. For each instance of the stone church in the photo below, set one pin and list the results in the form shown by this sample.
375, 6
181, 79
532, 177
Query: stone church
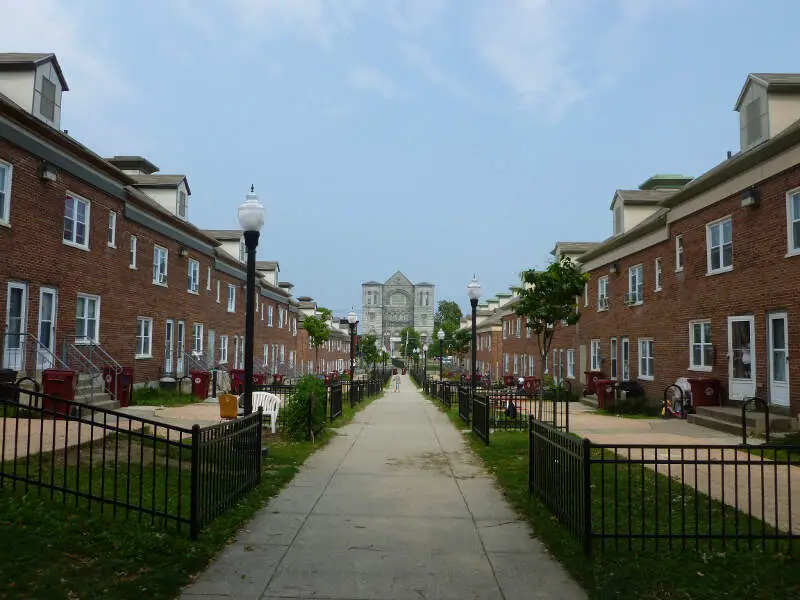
390, 307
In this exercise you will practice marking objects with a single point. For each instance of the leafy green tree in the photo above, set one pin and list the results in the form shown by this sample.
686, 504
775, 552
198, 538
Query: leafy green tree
298, 422
462, 342
447, 318
318, 330
409, 338
547, 299
370, 353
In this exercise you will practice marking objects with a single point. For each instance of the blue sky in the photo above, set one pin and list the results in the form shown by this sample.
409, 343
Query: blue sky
439, 137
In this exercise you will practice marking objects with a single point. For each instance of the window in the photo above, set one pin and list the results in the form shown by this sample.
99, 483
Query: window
265, 350
218, 291
87, 319
571, 363
208, 280
280, 318
678, 253
197, 339
505, 329
294, 326
5, 192
262, 311
144, 337
719, 240
223, 349
47, 101
613, 352
182, 204
160, 256
194, 276
235, 351
231, 298
646, 359
625, 356
112, 229
658, 274
519, 327
132, 258
595, 355
602, 293
505, 363
635, 285
527, 332
701, 350
792, 216
586, 294
76, 222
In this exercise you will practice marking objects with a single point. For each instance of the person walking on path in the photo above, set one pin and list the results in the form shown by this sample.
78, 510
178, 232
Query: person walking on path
397, 383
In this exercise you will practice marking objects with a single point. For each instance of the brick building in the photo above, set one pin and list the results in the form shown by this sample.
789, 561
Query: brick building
99, 262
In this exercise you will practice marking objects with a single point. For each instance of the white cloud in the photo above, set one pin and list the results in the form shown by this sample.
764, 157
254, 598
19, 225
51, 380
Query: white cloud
371, 79
553, 55
97, 85
420, 60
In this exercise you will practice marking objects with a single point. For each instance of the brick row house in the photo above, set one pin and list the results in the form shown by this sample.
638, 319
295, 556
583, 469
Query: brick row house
698, 277
100, 263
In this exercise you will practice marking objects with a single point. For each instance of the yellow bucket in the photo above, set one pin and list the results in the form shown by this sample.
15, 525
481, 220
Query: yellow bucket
228, 406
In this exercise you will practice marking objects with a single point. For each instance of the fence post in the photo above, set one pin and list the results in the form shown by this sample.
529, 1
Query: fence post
587, 497
530, 456
257, 448
194, 509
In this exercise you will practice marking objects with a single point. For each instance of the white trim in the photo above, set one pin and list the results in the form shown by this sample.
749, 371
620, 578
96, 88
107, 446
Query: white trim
133, 250
23, 327
680, 251
722, 268
624, 363
790, 250
148, 338
639, 284
231, 298
218, 287
700, 367
87, 224
46, 289
191, 279
613, 358
602, 299
570, 363
595, 343
659, 275
96, 337
195, 350
208, 282
162, 278
5, 213
112, 229
651, 356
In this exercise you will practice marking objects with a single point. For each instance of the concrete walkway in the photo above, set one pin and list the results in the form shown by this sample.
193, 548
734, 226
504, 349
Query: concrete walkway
395, 507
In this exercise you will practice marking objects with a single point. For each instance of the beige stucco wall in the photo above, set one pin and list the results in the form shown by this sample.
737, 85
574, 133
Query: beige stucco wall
784, 109
19, 87
754, 91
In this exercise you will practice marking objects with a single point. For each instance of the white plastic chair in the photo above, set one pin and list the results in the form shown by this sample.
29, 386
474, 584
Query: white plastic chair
270, 404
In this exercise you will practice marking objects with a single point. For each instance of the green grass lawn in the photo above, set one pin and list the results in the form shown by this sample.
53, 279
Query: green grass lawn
159, 397
53, 549
650, 573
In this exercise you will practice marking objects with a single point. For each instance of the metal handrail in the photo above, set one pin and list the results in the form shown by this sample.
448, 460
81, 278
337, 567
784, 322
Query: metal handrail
758, 402
29, 364
98, 359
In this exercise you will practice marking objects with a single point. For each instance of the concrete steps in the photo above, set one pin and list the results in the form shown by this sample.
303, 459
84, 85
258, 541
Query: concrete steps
728, 419
590, 401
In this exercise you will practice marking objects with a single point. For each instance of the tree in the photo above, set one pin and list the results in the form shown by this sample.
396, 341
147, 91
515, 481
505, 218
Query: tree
462, 342
409, 338
369, 349
547, 299
318, 330
447, 318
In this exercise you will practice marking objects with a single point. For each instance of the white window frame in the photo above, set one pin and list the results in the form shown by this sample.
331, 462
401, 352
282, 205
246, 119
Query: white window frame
86, 339
265, 349
231, 298
586, 294
659, 274
624, 361
262, 310
646, 359
74, 231
208, 280
570, 363
280, 318
197, 339
519, 327
193, 281
5, 192
159, 276
639, 291
146, 337
602, 293
792, 244
223, 349
218, 288
702, 343
594, 355
134, 249
613, 366
720, 248
679, 253
112, 229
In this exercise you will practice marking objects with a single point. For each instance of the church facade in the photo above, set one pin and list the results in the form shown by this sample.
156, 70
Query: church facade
388, 308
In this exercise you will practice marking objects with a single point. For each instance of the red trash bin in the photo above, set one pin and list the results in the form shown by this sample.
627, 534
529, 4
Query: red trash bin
277, 378
604, 388
591, 379
508, 380
237, 381
404, 371
57, 383
259, 379
706, 391
200, 381
394, 371
119, 383
531, 385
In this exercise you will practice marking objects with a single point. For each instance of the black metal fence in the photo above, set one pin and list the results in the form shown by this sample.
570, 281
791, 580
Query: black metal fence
480, 416
123, 465
464, 403
668, 496
510, 409
335, 400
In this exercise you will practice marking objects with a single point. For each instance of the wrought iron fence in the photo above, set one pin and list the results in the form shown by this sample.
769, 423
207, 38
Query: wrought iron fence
510, 408
464, 403
480, 417
669, 496
335, 399
122, 465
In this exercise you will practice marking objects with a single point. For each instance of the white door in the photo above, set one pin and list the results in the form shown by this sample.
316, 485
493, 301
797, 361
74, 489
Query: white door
48, 308
613, 352
169, 347
625, 350
212, 347
181, 337
777, 335
741, 358
16, 326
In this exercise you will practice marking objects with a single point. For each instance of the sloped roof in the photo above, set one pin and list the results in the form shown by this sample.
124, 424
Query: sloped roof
574, 247
786, 82
267, 265
370, 283
642, 197
651, 223
31, 60
398, 279
133, 162
224, 234
157, 180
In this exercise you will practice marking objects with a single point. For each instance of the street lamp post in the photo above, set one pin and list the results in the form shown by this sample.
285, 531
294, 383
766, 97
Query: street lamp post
251, 219
424, 363
474, 293
440, 335
352, 321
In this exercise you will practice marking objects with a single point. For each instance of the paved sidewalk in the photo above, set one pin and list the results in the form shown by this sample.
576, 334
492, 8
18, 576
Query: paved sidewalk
394, 507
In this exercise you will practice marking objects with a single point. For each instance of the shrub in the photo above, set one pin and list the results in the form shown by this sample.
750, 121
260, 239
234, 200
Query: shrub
635, 406
297, 422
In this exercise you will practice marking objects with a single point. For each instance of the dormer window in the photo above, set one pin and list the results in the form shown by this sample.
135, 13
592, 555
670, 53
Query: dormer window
47, 103
752, 115
181, 204
618, 222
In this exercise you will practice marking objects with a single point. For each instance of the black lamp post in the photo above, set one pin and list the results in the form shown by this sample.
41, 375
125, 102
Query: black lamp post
352, 321
474, 292
440, 335
424, 363
251, 219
